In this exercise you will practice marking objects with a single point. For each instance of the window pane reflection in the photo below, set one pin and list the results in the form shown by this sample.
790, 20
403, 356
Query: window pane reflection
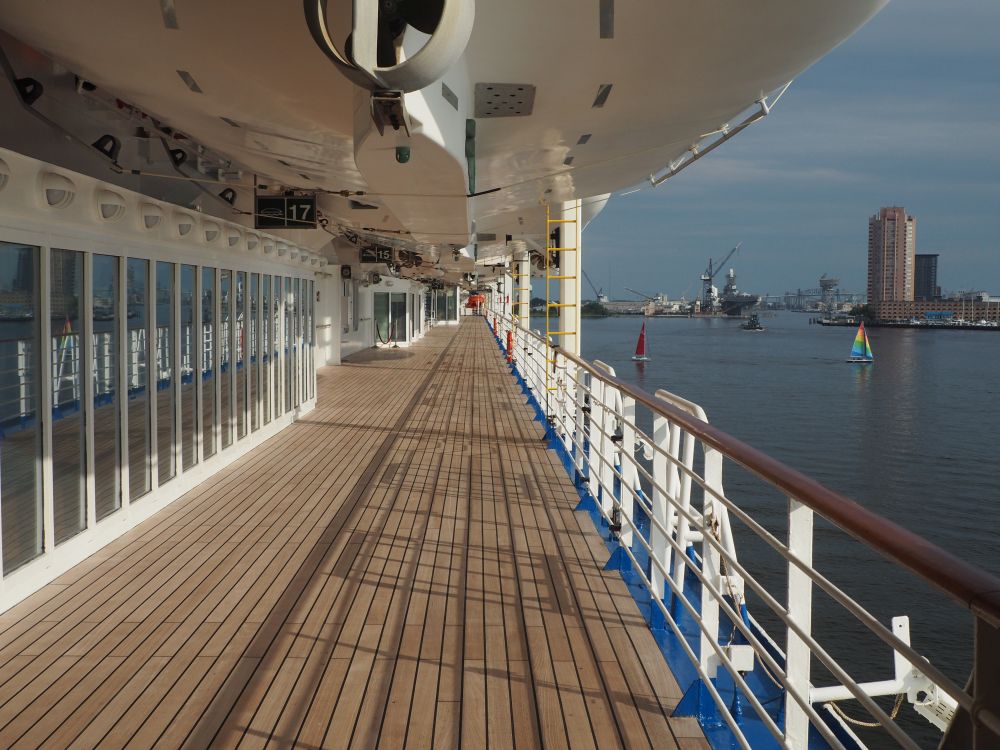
225, 356
253, 328
189, 390
139, 445
107, 439
296, 340
277, 401
165, 419
69, 429
289, 344
208, 362
241, 334
266, 348
20, 436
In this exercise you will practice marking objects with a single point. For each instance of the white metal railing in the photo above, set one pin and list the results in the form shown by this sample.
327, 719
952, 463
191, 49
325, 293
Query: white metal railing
687, 562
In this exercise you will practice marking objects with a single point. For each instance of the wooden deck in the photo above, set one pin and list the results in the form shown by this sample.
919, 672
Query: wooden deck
402, 567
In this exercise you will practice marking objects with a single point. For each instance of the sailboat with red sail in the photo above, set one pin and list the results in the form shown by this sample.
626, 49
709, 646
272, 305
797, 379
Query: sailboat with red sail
640, 347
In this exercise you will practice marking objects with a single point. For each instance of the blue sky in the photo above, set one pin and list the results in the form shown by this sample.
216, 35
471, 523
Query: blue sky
906, 112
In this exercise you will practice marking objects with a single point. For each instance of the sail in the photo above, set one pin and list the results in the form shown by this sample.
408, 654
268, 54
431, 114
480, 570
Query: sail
868, 348
640, 347
862, 348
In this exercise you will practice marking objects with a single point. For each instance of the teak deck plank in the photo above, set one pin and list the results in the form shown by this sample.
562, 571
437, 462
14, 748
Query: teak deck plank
402, 567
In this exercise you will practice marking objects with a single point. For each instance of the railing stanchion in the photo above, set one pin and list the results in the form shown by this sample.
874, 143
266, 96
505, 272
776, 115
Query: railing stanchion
579, 417
630, 477
798, 655
662, 510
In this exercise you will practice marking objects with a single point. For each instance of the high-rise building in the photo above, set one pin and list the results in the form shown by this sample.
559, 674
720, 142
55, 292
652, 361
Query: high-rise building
925, 286
892, 244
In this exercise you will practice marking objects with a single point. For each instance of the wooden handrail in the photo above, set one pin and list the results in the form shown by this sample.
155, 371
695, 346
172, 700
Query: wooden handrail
974, 588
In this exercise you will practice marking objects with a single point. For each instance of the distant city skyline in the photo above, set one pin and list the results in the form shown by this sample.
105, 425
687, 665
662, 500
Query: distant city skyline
904, 113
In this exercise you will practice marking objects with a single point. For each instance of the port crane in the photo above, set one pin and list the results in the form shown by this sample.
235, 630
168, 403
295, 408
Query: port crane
601, 296
708, 276
658, 298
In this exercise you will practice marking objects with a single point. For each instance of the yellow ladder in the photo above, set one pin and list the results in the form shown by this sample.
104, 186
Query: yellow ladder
562, 273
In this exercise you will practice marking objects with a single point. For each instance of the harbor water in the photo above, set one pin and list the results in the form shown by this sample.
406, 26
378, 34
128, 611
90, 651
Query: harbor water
912, 437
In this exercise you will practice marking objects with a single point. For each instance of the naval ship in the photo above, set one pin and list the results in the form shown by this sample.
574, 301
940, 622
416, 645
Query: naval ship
285, 458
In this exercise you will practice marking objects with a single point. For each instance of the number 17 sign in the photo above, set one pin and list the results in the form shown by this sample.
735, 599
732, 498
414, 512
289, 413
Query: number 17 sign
285, 212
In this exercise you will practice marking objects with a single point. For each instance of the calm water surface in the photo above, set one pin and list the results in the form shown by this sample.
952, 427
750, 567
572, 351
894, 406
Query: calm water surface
914, 437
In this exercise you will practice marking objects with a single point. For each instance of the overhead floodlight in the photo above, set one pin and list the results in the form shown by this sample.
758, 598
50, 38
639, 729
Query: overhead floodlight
211, 231
58, 190
183, 224
150, 215
110, 205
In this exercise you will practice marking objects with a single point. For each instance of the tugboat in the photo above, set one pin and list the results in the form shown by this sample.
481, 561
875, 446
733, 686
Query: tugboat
752, 324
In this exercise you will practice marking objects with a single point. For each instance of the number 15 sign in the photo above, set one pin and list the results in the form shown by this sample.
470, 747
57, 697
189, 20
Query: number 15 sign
285, 212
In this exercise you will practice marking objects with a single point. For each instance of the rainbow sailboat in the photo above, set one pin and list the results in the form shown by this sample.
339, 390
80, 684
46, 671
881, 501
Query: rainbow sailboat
861, 352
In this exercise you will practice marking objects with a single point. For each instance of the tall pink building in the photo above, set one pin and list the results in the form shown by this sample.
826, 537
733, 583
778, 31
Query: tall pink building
892, 246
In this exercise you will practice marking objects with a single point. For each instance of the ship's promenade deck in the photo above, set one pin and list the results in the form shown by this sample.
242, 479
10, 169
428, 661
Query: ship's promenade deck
402, 567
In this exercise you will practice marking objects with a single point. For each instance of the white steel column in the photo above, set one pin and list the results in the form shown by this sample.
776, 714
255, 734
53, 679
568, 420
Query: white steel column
800, 544
570, 263
522, 285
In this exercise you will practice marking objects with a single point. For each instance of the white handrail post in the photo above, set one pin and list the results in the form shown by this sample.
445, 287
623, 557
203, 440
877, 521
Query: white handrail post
630, 477
598, 445
797, 653
567, 394
686, 447
662, 511
578, 443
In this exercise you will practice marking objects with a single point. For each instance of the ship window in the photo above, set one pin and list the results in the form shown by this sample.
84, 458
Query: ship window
298, 351
240, 300
107, 424
441, 298
277, 342
289, 342
188, 354
383, 334
165, 417
253, 345
312, 339
69, 428
225, 357
20, 439
397, 311
137, 327
266, 348
209, 358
